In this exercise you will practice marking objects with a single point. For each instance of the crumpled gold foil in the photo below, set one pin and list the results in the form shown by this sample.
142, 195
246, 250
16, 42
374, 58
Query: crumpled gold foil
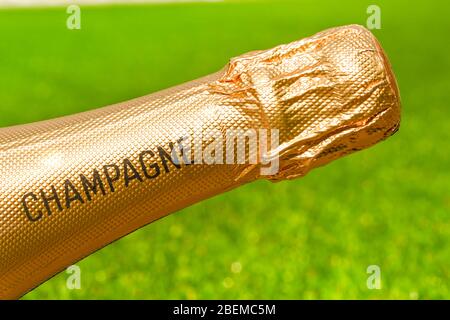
74, 184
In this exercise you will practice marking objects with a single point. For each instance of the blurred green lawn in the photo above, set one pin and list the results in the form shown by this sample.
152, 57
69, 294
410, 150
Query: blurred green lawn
309, 238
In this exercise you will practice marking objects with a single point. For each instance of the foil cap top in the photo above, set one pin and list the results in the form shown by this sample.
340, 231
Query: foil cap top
328, 95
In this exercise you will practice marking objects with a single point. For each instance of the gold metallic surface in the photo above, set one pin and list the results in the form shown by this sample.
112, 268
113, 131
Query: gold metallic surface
74, 184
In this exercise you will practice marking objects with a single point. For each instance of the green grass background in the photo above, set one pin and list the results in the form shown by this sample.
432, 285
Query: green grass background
309, 238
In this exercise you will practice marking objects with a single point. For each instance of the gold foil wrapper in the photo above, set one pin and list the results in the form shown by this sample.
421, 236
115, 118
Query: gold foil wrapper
74, 184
